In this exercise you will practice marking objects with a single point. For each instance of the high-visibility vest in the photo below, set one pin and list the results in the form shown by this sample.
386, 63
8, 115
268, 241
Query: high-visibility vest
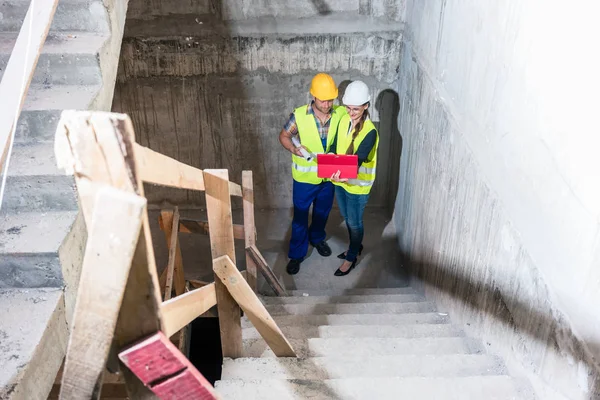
366, 172
302, 170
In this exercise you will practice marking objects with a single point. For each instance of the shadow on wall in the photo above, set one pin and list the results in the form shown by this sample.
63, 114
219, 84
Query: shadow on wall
482, 299
387, 104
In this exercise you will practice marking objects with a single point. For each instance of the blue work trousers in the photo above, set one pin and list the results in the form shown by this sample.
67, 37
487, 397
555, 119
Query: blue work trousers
321, 198
352, 208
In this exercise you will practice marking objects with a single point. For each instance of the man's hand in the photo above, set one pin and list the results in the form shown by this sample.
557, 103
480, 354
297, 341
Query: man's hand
336, 177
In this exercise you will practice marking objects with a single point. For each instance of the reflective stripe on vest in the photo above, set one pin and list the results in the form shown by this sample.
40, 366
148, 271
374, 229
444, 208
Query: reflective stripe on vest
363, 183
302, 170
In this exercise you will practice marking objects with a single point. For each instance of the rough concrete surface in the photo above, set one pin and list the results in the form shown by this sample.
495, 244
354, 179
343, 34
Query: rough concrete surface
379, 265
31, 348
498, 203
359, 366
455, 388
214, 91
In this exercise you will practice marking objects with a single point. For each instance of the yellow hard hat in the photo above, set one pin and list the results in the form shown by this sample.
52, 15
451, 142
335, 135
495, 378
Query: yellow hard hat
323, 87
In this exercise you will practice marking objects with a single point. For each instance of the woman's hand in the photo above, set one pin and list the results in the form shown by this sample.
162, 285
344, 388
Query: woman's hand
336, 177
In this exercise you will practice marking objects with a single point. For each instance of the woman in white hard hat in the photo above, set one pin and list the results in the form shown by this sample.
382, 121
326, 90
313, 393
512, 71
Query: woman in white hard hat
356, 134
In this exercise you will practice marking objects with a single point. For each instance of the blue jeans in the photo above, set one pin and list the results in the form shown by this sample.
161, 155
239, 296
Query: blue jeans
352, 208
321, 198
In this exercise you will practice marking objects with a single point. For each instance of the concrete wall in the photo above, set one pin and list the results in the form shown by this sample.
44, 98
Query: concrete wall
212, 83
499, 202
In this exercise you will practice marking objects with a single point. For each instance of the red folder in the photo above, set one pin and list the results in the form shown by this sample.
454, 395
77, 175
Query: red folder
329, 164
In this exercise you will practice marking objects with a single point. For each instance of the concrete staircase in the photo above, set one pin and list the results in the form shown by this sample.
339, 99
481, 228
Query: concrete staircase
366, 344
41, 237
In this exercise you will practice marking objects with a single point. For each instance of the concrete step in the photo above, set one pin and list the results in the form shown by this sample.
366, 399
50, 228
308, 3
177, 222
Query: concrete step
455, 388
368, 347
39, 193
355, 319
66, 58
71, 15
34, 159
43, 106
345, 308
29, 244
363, 331
352, 292
33, 340
371, 298
337, 367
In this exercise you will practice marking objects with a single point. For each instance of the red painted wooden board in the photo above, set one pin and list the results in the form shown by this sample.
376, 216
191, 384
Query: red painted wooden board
159, 364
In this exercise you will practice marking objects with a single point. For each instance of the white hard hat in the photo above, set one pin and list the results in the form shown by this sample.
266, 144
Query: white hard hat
356, 94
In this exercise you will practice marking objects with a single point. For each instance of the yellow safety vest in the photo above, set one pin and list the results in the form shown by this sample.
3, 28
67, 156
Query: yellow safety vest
366, 172
302, 170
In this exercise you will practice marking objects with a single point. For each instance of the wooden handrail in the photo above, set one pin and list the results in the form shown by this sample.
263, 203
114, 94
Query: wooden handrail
181, 310
21, 67
154, 167
243, 294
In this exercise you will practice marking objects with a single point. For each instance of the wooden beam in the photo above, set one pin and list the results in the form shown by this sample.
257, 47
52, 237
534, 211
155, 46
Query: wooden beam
259, 261
168, 373
249, 228
159, 169
20, 69
198, 284
218, 204
181, 310
165, 221
112, 239
228, 273
173, 245
97, 148
187, 225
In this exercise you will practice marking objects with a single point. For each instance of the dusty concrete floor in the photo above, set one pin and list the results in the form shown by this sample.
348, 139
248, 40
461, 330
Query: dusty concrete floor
379, 264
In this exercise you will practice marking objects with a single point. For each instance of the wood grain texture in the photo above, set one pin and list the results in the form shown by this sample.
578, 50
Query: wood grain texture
159, 364
249, 227
173, 245
235, 282
258, 260
181, 310
218, 203
112, 239
165, 221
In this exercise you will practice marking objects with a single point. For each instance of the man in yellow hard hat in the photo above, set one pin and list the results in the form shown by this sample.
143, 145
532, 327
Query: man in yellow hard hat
314, 127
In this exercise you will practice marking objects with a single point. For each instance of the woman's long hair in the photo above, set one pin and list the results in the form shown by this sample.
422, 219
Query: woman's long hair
357, 130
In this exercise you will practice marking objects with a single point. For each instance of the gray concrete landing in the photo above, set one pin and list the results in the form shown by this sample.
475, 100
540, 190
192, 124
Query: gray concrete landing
379, 265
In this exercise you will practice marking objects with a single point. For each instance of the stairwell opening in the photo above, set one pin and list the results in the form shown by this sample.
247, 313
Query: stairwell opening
205, 348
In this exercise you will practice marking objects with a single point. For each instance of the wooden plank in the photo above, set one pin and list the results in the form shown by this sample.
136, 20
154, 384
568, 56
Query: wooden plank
162, 170
173, 244
168, 373
165, 221
112, 239
261, 263
228, 273
249, 228
97, 148
198, 284
218, 204
20, 68
181, 310
187, 225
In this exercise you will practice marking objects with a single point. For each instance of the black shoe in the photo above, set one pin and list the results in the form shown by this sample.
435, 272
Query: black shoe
293, 267
343, 255
323, 249
340, 273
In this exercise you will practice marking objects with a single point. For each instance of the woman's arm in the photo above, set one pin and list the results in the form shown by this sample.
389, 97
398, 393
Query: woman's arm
366, 146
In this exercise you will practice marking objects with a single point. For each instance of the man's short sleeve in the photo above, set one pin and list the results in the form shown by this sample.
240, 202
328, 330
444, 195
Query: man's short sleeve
290, 126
